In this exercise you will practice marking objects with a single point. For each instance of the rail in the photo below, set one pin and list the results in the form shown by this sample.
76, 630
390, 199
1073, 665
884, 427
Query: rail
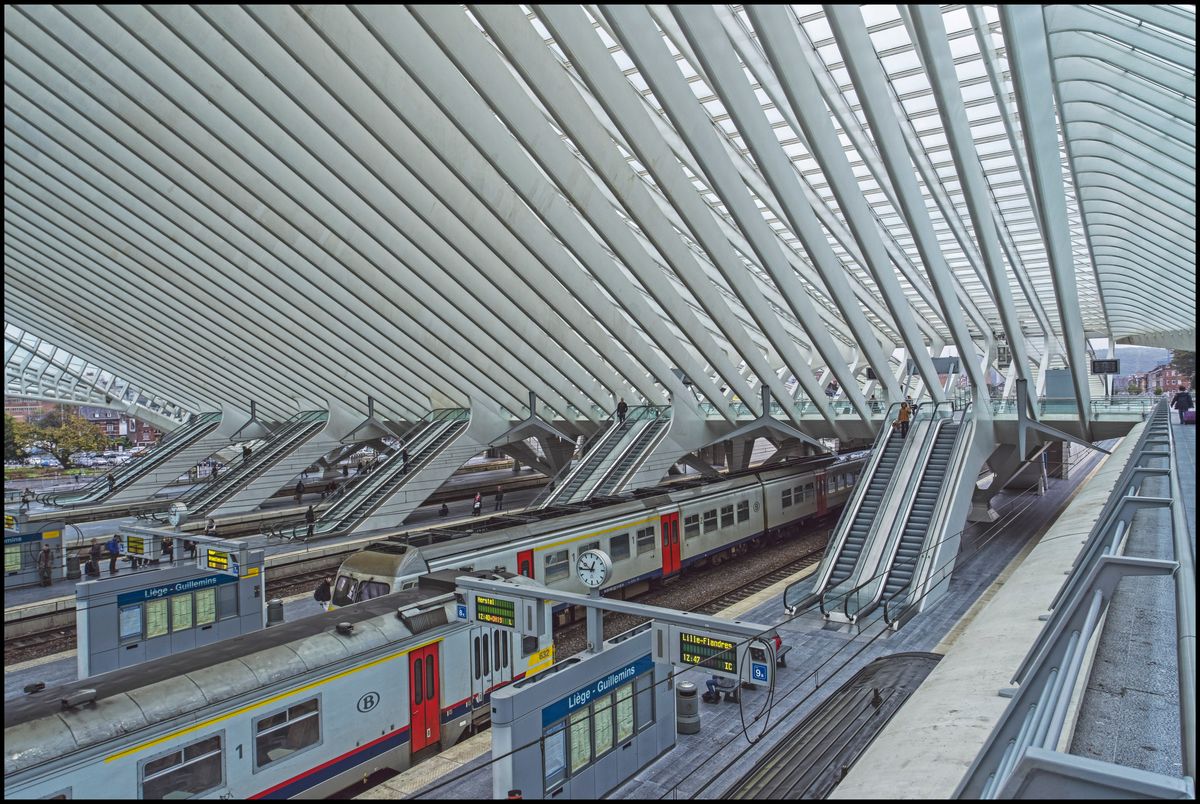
1024, 745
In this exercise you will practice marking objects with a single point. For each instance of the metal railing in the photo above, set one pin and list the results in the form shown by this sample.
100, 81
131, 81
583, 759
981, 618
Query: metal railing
1022, 751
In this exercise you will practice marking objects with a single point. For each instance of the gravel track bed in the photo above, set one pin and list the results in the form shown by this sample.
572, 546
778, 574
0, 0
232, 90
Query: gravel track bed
698, 587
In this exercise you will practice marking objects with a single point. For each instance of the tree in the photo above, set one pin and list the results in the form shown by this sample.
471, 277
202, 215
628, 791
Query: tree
17, 437
1133, 387
63, 433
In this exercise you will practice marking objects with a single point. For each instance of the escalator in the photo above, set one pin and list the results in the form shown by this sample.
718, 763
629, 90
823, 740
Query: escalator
619, 472
423, 444
283, 442
579, 475
868, 511
916, 529
134, 470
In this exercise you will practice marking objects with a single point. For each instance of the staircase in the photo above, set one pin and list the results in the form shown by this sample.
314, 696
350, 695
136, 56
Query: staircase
134, 470
291, 433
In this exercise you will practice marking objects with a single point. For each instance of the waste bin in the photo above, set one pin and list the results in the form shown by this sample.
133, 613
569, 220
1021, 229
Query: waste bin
274, 612
687, 708
73, 572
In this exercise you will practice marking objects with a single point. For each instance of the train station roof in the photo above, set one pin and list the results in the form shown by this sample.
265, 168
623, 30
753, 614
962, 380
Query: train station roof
434, 204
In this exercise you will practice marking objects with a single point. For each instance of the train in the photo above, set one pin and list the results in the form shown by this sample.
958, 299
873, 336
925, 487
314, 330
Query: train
300, 710
650, 535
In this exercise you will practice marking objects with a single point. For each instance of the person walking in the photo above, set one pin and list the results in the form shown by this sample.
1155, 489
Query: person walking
43, 565
1182, 403
323, 594
499, 498
310, 519
112, 483
114, 552
622, 409
903, 416
190, 546
299, 490
246, 452
477, 505
26, 498
216, 470
345, 470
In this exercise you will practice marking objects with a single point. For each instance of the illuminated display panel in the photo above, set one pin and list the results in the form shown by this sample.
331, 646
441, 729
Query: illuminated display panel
217, 560
705, 651
496, 612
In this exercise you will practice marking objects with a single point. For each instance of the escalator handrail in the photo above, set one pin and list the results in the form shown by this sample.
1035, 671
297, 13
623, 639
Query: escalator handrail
649, 422
554, 487
650, 433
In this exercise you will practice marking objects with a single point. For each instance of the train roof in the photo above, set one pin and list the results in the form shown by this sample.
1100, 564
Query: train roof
432, 536
200, 664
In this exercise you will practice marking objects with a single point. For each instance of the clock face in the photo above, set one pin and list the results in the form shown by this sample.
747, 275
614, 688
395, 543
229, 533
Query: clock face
593, 568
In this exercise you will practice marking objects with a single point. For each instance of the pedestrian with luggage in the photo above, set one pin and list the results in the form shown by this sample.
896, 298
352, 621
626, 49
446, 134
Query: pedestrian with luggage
1183, 403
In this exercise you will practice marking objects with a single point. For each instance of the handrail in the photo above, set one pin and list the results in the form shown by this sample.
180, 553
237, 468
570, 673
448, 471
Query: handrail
633, 442
654, 440
1185, 614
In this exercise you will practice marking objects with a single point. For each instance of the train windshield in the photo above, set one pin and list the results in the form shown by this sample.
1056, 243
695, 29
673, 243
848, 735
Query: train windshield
343, 591
370, 589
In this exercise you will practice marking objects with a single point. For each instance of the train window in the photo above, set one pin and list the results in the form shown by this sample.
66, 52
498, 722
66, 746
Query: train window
811, 490
529, 646
557, 565
787, 498
287, 732
624, 712
504, 648
184, 772
602, 725
691, 526
487, 666
372, 589
646, 543
181, 612
726, 516
743, 511
417, 674
581, 740
710, 520
343, 591
583, 548
430, 687
496, 649
618, 547
477, 661
798, 494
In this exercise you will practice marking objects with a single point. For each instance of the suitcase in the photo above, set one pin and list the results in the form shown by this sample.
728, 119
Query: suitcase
1189, 416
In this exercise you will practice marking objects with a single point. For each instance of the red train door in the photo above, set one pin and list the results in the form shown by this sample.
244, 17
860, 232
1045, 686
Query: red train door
525, 563
669, 527
821, 494
423, 697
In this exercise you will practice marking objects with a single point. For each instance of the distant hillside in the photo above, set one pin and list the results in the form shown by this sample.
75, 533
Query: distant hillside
1136, 359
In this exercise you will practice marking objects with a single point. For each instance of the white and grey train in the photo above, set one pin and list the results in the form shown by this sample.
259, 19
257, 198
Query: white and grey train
299, 710
651, 534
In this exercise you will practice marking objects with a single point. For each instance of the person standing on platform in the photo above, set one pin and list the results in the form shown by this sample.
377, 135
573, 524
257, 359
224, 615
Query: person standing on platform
299, 490
168, 549
43, 564
26, 498
210, 529
345, 470
1182, 403
903, 416
444, 510
310, 519
499, 498
114, 552
477, 505
622, 409
323, 594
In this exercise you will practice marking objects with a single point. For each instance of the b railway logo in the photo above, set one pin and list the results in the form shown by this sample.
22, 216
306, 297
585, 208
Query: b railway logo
368, 702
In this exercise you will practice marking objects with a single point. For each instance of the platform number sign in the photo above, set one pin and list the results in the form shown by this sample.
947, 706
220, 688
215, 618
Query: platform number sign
707, 651
496, 611
758, 672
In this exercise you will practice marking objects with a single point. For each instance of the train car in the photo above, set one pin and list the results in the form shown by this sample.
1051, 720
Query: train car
300, 710
651, 534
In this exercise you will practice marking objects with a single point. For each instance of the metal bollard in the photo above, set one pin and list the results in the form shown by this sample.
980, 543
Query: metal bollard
687, 708
274, 612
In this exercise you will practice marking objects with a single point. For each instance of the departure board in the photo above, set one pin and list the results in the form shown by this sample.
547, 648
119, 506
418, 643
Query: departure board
706, 651
135, 545
495, 611
217, 560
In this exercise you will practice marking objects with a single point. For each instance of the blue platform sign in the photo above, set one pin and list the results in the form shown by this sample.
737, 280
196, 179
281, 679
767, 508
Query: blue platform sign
461, 611
758, 671
582, 697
